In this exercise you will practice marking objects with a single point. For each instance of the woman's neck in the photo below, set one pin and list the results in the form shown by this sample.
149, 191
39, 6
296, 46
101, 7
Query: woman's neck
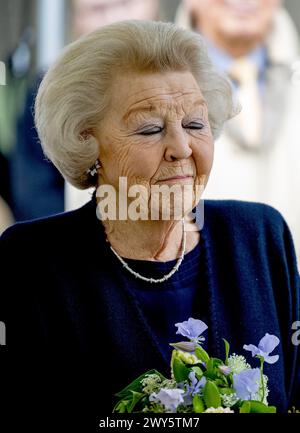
150, 240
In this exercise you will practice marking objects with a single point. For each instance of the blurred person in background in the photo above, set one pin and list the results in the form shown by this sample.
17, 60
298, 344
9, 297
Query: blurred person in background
38, 189
14, 79
258, 157
88, 15
6, 218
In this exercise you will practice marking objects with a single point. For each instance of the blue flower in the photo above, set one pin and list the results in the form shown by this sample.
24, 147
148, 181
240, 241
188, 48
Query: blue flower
192, 329
169, 398
196, 384
193, 388
266, 345
246, 383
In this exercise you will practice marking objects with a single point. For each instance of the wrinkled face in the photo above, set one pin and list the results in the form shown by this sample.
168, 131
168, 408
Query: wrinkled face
89, 15
156, 132
234, 18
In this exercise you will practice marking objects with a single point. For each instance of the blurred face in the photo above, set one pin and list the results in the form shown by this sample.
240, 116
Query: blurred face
228, 21
89, 15
156, 132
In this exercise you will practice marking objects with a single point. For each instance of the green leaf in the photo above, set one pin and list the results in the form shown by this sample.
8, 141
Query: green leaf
135, 385
198, 404
210, 365
136, 397
198, 371
217, 362
180, 370
211, 395
220, 383
202, 354
226, 391
227, 348
121, 406
245, 407
259, 407
211, 372
127, 406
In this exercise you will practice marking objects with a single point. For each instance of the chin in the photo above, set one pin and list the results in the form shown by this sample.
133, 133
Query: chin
242, 30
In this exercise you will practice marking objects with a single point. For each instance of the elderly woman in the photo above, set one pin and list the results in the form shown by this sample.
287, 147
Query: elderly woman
92, 295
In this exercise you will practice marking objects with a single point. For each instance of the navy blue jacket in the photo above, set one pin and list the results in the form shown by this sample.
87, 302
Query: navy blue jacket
77, 331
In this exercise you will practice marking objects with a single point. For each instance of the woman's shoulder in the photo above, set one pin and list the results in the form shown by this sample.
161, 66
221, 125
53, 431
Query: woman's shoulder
249, 229
245, 223
248, 226
253, 213
51, 228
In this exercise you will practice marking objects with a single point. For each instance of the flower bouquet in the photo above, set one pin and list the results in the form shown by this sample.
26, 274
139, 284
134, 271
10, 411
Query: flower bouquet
200, 383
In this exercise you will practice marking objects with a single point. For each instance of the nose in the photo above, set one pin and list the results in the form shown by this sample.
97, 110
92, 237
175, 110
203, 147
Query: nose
177, 146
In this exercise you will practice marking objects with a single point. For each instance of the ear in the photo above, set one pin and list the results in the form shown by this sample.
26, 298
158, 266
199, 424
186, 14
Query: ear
85, 135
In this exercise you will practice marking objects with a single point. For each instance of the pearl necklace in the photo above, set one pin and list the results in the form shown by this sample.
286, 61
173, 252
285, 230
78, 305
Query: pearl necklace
165, 277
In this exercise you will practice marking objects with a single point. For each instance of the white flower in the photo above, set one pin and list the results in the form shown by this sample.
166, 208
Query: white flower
259, 394
237, 363
229, 400
218, 410
169, 398
151, 383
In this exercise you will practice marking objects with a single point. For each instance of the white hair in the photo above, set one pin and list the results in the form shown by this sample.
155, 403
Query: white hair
74, 93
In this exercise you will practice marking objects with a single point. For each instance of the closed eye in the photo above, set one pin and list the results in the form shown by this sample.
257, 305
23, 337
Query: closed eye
194, 125
158, 129
151, 131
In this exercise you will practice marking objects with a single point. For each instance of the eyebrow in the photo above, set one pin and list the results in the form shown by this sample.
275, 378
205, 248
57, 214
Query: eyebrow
150, 107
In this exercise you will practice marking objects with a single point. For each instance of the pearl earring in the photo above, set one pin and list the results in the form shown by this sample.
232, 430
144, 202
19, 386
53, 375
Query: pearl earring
94, 169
